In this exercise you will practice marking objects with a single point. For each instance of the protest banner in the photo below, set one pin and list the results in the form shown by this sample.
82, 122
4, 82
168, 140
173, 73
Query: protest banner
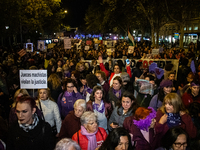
29, 47
51, 45
41, 45
33, 79
109, 44
22, 52
87, 47
130, 49
155, 51
96, 46
67, 43
88, 42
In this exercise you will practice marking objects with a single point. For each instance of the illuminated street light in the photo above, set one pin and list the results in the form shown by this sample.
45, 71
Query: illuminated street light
65, 11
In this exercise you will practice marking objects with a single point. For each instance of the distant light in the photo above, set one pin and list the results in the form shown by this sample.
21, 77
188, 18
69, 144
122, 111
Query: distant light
134, 31
40, 33
54, 33
65, 11
36, 31
110, 34
115, 37
7, 27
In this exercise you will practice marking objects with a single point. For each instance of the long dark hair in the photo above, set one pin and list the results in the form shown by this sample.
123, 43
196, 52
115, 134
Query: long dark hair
113, 139
161, 95
134, 105
171, 136
96, 88
66, 81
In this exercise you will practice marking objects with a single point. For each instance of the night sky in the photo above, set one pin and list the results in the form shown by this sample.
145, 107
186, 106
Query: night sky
76, 11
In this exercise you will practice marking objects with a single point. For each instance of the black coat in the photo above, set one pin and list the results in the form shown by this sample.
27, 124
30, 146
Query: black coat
40, 138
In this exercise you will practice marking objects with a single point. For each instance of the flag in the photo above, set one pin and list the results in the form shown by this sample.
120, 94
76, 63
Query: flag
131, 38
22, 53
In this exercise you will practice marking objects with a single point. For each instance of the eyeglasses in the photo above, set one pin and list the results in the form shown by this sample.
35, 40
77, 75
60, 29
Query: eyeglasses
92, 123
70, 87
178, 145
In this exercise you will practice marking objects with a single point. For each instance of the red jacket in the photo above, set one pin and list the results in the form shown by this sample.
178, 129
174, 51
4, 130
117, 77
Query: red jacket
186, 124
102, 67
188, 98
83, 141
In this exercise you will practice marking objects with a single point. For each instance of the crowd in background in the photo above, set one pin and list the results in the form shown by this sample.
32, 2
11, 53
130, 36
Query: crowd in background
93, 103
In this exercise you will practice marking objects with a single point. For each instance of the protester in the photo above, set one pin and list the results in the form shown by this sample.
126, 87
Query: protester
67, 144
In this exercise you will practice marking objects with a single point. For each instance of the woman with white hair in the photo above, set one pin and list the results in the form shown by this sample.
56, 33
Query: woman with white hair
90, 136
67, 144
71, 124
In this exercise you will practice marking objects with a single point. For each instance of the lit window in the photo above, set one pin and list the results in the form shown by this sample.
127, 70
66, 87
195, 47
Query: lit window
196, 27
190, 28
185, 28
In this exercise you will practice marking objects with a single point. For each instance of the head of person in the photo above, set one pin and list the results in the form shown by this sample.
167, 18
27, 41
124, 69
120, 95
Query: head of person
67, 144
44, 94
80, 66
89, 121
97, 94
54, 80
25, 109
128, 102
125, 78
117, 83
83, 79
79, 107
59, 63
150, 78
190, 77
175, 138
139, 65
171, 76
92, 80
166, 86
194, 88
69, 85
117, 69
144, 118
101, 76
118, 139
75, 75
172, 103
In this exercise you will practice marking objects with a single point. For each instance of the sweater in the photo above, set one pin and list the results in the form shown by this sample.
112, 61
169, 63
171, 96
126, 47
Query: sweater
188, 98
155, 103
39, 138
70, 125
51, 113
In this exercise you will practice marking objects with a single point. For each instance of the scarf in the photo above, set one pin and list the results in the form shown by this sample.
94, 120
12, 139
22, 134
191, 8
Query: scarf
27, 127
144, 124
67, 94
173, 119
92, 141
100, 108
117, 93
87, 90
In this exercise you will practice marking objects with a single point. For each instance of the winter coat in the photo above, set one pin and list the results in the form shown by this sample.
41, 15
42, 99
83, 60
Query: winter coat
66, 103
83, 141
188, 98
39, 138
70, 125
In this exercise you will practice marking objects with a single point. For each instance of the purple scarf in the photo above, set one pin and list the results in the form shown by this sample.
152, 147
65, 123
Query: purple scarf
86, 89
92, 141
117, 93
67, 94
100, 108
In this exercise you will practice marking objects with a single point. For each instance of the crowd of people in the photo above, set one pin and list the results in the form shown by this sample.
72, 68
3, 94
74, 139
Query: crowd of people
103, 105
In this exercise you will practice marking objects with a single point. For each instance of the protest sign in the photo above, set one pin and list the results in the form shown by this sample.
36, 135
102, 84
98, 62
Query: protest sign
87, 47
130, 49
33, 79
109, 44
29, 47
41, 45
96, 46
51, 45
155, 51
88, 42
22, 52
67, 43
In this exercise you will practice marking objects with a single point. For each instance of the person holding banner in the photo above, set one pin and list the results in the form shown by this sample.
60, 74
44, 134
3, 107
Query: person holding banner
30, 132
49, 109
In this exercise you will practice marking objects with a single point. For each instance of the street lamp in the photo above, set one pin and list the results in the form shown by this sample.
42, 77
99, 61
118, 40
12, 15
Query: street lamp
65, 11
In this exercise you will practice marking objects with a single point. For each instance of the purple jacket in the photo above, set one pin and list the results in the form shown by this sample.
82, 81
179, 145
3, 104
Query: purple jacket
155, 103
66, 103
139, 141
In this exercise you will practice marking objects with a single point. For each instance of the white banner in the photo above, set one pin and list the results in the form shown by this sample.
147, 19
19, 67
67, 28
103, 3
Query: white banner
29, 47
155, 51
33, 79
41, 45
67, 43
87, 47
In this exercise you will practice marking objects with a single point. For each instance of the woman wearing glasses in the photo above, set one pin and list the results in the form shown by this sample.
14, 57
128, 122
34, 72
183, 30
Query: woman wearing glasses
90, 136
67, 98
175, 139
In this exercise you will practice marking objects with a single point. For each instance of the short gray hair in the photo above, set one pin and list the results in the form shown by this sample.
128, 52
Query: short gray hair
80, 102
88, 116
66, 143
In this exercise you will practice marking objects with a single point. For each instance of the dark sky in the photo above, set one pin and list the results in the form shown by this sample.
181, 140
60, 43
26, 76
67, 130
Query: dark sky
76, 11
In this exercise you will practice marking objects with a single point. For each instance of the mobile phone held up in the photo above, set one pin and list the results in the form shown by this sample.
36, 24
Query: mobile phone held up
127, 61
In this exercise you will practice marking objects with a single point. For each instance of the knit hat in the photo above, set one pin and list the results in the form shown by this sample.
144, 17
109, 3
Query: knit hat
125, 77
166, 83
